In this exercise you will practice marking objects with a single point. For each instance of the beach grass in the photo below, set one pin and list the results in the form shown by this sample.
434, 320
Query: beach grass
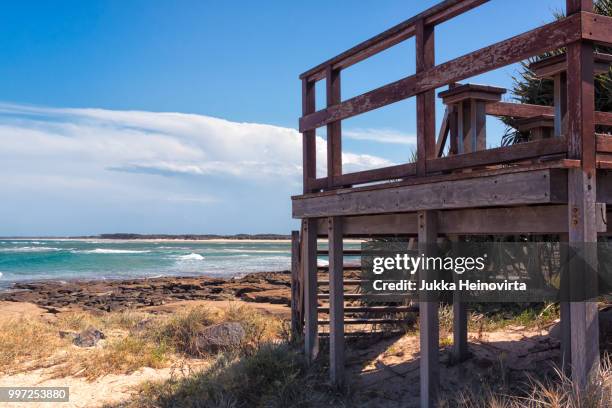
26, 342
133, 340
272, 375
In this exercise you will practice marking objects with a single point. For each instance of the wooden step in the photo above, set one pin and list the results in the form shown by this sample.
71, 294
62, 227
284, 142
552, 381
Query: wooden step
354, 295
366, 321
374, 309
346, 281
347, 252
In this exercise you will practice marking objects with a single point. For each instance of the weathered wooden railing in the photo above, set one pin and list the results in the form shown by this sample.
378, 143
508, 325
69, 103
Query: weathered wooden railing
554, 178
578, 26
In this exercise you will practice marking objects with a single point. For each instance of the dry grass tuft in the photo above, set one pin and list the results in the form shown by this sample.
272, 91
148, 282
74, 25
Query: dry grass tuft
181, 330
77, 321
260, 329
119, 356
274, 375
25, 342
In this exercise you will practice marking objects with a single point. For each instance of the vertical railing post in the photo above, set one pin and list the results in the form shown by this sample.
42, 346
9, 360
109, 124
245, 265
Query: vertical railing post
309, 142
582, 233
426, 102
334, 129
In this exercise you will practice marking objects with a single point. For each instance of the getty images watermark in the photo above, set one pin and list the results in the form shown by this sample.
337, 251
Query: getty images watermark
458, 265
486, 271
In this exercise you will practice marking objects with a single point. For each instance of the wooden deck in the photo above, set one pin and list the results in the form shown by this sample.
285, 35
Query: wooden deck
559, 182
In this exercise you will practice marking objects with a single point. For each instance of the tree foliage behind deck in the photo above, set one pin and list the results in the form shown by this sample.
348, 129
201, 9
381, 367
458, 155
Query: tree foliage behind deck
528, 88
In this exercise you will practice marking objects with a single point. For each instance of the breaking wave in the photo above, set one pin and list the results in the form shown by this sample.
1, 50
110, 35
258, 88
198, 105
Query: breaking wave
113, 251
191, 257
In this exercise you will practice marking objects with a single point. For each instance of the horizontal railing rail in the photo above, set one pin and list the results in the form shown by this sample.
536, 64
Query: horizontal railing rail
546, 38
435, 15
524, 110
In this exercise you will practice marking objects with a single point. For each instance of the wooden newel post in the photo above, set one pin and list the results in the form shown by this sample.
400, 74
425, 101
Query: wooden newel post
469, 102
555, 68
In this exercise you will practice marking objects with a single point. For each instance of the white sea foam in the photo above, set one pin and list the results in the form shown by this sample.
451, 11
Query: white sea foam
255, 251
171, 247
191, 257
30, 249
113, 251
322, 262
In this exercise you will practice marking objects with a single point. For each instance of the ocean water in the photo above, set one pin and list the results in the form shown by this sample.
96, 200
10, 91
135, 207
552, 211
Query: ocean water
34, 259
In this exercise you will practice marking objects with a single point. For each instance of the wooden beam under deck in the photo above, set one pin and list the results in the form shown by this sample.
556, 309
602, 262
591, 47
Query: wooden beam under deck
540, 219
544, 186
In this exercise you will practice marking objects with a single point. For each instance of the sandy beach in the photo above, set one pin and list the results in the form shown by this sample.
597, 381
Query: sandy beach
383, 364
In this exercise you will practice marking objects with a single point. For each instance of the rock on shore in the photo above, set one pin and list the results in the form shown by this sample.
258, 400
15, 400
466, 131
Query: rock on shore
117, 295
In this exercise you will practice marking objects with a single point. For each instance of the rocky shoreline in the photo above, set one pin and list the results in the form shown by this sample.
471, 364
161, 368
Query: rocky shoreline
118, 295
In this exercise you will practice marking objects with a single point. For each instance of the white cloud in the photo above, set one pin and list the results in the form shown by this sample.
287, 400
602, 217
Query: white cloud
161, 142
96, 170
381, 136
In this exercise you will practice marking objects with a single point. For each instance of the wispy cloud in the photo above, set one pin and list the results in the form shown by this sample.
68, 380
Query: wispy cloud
136, 162
162, 143
380, 135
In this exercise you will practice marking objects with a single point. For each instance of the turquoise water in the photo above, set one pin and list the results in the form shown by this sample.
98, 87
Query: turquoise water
22, 260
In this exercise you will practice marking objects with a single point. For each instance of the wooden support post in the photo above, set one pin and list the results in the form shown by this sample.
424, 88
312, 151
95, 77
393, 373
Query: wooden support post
460, 330
336, 302
334, 129
477, 138
582, 195
566, 337
309, 262
428, 316
296, 317
565, 315
426, 102
309, 139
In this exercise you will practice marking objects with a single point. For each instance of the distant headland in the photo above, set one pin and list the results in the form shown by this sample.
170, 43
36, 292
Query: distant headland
178, 237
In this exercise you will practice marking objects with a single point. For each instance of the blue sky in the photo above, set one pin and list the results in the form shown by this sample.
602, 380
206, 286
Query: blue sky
177, 116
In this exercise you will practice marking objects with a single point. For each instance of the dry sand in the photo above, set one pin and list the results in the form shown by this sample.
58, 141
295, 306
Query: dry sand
108, 389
